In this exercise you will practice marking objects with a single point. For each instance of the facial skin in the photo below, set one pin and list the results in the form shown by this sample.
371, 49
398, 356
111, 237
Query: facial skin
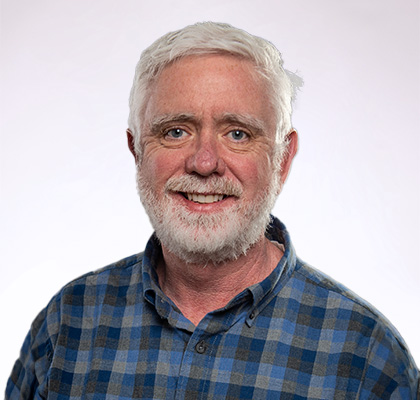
206, 176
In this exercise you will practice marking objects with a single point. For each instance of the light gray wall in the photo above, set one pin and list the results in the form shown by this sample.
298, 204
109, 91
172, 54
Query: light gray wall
68, 197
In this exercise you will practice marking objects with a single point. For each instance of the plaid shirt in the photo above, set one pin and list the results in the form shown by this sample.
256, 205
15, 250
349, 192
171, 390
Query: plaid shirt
113, 334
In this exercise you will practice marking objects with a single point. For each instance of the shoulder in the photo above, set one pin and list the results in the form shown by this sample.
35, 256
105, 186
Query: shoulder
125, 267
83, 298
70, 309
118, 273
335, 295
371, 342
107, 285
329, 294
94, 286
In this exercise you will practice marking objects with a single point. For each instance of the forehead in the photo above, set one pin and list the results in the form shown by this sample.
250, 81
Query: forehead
210, 84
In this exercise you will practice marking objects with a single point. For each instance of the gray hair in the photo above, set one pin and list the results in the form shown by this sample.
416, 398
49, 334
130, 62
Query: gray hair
215, 38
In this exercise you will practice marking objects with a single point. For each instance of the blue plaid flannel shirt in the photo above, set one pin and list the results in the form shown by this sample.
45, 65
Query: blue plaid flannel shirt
113, 334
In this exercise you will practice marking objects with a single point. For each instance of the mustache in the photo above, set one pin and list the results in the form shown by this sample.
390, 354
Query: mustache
208, 185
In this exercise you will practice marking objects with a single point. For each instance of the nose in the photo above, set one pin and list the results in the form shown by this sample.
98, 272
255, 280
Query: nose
206, 159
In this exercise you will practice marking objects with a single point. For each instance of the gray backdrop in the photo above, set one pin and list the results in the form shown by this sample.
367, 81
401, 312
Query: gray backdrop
68, 197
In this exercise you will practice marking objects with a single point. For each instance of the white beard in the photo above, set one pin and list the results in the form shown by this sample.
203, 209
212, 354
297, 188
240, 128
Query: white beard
204, 238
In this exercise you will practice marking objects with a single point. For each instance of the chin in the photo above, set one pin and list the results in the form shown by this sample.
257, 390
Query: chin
202, 238
209, 238
203, 245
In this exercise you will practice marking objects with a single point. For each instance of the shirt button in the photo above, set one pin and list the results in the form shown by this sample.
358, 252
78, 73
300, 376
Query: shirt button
252, 315
201, 347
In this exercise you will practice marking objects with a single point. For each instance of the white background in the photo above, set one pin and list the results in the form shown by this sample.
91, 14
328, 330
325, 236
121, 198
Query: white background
68, 198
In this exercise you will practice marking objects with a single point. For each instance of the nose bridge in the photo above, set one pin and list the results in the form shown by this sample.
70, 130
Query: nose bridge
206, 158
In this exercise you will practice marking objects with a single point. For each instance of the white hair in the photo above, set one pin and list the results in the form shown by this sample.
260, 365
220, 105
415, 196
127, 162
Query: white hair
216, 38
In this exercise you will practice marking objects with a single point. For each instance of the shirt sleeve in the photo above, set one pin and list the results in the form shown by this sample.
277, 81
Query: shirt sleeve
29, 374
391, 372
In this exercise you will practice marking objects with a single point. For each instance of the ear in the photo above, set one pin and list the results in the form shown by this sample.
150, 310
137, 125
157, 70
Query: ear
292, 148
130, 141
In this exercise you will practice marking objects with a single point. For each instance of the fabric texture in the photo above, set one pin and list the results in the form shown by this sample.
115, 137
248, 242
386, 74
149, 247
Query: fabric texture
113, 334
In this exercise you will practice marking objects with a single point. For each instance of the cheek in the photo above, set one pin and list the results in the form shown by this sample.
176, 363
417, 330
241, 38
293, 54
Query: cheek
252, 171
160, 166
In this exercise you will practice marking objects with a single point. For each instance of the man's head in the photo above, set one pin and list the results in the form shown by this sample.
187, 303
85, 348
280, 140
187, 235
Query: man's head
211, 122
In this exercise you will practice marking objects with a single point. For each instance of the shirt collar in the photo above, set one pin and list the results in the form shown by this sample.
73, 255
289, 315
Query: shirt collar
261, 293
264, 291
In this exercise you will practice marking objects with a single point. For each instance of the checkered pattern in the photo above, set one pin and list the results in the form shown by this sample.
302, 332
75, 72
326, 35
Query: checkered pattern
113, 334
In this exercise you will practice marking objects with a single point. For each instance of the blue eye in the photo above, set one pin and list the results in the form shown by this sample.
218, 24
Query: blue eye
238, 135
176, 133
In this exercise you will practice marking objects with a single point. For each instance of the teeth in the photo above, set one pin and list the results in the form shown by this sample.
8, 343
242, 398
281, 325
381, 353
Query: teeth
204, 198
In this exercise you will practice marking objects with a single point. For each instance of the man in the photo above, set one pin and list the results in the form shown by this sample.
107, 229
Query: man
218, 306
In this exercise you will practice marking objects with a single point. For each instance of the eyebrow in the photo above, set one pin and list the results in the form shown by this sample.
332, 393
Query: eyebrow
157, 123
243, 120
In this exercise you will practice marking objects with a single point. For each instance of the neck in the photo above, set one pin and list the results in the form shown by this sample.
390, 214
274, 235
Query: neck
198, 289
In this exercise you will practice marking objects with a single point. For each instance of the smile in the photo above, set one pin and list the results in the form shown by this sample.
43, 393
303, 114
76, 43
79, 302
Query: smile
204, 198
